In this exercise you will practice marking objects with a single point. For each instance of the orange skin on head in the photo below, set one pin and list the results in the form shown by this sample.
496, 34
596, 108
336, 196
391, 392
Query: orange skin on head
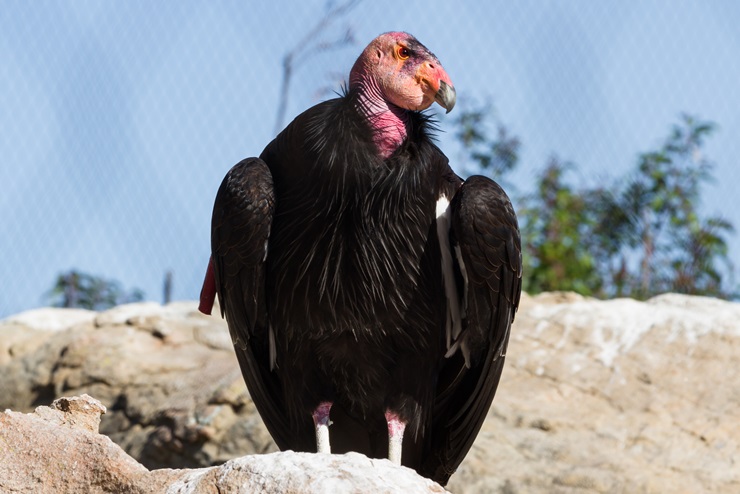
407, 74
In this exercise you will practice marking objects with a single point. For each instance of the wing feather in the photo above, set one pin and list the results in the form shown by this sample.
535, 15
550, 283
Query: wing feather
485, 234
240, 232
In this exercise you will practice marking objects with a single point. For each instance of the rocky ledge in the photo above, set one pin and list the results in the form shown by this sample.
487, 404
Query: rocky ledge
596, 396
58, 449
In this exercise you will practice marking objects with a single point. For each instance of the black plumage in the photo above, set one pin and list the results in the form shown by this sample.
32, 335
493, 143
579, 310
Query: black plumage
329, 266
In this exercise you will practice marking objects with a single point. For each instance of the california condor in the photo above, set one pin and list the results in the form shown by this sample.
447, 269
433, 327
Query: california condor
368, 289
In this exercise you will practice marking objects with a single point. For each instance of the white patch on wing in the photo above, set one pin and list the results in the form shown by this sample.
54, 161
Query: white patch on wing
464, 347
453, 324
463, 341
464, 272
442, 204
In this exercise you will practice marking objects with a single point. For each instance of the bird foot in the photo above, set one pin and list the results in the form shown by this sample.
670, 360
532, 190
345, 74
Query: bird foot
396, 426
321, 422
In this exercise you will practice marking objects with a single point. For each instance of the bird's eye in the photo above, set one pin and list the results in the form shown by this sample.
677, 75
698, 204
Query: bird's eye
403, 52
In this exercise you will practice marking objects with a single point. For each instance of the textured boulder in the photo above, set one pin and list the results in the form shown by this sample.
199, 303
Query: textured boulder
290, 472
614, 396
167, 375
596, 396
58, 450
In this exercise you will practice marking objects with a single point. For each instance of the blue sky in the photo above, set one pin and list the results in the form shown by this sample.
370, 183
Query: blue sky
118, 120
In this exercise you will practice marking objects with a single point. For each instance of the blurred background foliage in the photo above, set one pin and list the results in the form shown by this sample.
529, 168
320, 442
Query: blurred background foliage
637, 235
86, 291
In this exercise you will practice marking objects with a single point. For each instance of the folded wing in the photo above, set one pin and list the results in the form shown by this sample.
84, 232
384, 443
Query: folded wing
485, 241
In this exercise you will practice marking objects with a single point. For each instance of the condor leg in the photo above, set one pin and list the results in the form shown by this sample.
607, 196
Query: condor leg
396, 426
321, 423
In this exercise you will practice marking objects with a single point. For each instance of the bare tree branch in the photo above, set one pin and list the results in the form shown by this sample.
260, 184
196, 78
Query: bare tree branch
312, 44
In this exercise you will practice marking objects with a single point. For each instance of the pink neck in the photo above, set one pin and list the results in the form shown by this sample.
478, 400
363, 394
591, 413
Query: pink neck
387, 120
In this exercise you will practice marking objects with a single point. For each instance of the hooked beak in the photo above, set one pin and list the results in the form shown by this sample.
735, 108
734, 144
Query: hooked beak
446, 96
436, 85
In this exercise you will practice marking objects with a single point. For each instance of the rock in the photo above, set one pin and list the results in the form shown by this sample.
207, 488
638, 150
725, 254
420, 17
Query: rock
58, 450
596, 396
168, 377
46, 452
129, 313
82, 412
614, 396
51, 318
290, 472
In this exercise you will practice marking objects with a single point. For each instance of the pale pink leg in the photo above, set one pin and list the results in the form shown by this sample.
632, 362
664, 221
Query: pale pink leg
396, 426
321, 422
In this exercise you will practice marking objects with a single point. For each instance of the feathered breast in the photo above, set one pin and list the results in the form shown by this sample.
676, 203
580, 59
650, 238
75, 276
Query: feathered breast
350, 228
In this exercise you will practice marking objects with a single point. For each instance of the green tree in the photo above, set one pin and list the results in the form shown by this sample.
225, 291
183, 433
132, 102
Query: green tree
495, 156
638, 235
679, 250
556, 220
86, 291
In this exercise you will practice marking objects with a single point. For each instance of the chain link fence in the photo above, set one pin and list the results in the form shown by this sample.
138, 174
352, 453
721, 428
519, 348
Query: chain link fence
118, 120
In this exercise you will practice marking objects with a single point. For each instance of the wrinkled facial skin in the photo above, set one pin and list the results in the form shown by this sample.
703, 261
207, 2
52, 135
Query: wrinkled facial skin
409, 75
